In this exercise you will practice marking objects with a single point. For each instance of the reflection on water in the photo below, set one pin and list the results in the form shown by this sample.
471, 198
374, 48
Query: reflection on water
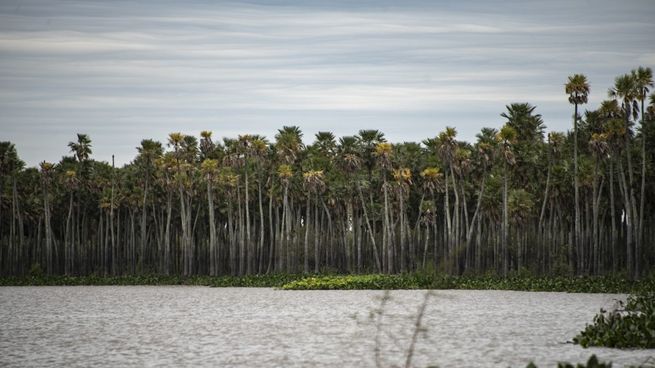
247, 327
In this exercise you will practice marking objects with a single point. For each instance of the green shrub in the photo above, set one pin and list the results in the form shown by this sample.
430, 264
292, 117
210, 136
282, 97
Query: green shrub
632, 325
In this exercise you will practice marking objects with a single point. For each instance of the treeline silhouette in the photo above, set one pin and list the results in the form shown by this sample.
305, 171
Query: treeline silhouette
516, 200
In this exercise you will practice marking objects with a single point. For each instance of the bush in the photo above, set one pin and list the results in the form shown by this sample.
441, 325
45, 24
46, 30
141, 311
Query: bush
632, 325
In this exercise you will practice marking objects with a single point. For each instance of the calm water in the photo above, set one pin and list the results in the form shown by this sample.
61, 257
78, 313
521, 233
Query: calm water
212, 327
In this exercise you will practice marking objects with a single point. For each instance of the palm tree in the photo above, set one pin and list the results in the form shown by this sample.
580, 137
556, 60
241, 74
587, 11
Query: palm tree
432, 181
207, 146
506, 139
71, 183
260, 151
447, 146
403, 179
578, 89
643, 78
148, 152
47, 169
285, 173
383, 153
350, 162
209, 170
369, 139
288, 144
82, 148
599, 148
314, 182
625, 91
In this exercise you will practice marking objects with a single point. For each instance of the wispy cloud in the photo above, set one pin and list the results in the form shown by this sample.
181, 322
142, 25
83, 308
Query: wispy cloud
122, 71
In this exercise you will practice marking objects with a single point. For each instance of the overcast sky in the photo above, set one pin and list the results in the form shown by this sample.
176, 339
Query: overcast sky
124, 71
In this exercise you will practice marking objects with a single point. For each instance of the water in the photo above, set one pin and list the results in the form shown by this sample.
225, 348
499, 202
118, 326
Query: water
246, 327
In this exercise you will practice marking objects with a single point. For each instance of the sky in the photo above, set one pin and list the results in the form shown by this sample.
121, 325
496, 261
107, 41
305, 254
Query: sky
122, 71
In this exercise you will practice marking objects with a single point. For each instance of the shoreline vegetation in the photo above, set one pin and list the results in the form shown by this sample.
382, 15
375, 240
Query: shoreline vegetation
408, 281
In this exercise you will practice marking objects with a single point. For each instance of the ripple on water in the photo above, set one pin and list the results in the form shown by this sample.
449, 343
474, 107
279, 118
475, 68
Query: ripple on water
138, 326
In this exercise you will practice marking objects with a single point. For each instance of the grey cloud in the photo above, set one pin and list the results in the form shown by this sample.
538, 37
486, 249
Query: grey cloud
123, 71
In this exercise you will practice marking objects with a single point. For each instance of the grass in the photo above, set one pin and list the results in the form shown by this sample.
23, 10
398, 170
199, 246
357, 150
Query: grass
356, 282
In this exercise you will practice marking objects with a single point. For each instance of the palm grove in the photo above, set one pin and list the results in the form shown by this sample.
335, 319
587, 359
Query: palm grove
515, 200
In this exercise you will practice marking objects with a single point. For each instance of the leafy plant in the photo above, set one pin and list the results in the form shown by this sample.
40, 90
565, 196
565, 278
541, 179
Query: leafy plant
631, 325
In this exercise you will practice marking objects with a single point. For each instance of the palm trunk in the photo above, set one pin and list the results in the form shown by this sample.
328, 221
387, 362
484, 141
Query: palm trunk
260, 251
68, 242
370, 231
213, 252
628, 220
306, 223
630, 189
505, 249
576, 232
144, 218
48, 229
167, 233
640, 234
249, 260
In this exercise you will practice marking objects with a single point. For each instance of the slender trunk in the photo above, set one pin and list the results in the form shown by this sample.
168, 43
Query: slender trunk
628, 220
249, 260
306, 223
272, 233
261, 228
576, 232
614, 232
386, 231
632, 206
370, 231
505, 222
640, 234
48, 229
144, 218
69, 237
403, 255
167, 235
213, 253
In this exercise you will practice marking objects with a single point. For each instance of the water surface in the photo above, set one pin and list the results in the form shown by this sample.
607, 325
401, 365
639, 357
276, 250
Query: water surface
135, 326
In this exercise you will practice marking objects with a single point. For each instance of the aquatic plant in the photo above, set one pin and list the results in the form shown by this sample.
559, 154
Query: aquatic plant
631, 325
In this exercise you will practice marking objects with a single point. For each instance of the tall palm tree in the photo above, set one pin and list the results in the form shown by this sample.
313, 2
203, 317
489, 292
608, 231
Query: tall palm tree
643, 78
47, 169
148, 152
577, 88
625, 91
288, 145
209, 170
447, 146
433, 181
506, 139
403, 180
285, 173
383, 152
350, 162
599, 149
314, 182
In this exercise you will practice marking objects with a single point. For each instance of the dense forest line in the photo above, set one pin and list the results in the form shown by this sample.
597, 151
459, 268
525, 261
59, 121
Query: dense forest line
517, 199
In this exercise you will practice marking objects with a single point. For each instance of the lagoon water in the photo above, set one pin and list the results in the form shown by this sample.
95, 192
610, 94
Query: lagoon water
185, 326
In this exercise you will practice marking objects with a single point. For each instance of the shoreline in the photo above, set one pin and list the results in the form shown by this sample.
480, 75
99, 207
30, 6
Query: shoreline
410, 281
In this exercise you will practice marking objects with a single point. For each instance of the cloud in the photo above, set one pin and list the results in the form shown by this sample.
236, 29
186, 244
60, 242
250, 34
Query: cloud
123, 71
